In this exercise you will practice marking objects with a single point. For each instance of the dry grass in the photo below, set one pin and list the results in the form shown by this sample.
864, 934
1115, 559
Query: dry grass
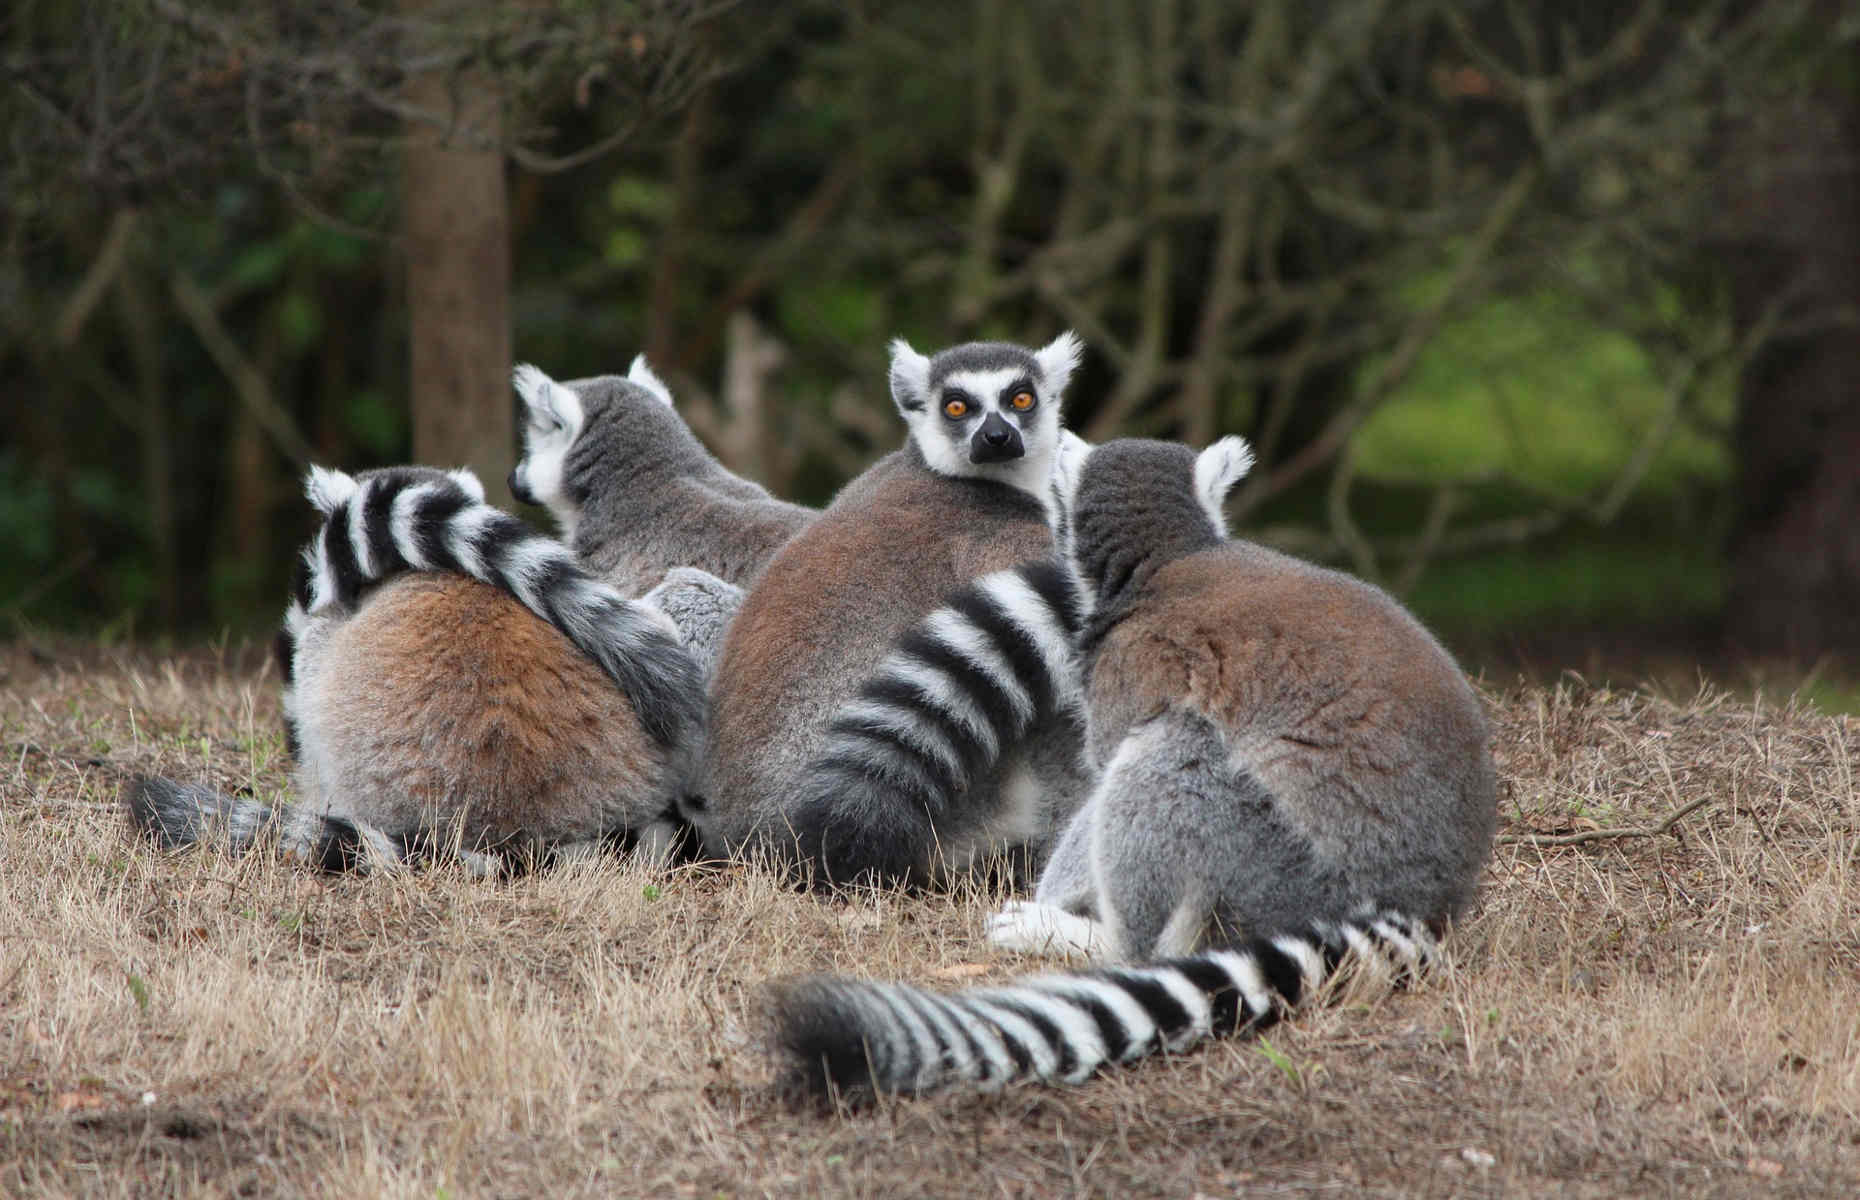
1646, 1015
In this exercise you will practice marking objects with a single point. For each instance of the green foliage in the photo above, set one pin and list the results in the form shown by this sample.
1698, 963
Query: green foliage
1533, 388
25, 519
823, 311
831, 184
377, 421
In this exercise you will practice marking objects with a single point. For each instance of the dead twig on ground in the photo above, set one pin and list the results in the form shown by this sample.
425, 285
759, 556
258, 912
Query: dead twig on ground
1599, 835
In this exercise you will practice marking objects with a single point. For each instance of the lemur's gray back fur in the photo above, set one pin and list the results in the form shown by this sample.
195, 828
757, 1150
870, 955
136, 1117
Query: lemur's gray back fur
1293, 769
871, 717
641, 493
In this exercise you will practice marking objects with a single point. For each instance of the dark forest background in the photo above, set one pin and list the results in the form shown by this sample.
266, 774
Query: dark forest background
1546, 316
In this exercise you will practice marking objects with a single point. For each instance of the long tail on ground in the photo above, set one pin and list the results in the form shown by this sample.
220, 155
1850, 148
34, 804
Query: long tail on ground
853, 1038
423, 520
174, 815
959, 688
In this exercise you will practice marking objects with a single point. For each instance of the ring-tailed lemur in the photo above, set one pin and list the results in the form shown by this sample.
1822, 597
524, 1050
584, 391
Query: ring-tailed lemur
604, 455
1293, 769
636, 496
633, 489
434, 714
859, 765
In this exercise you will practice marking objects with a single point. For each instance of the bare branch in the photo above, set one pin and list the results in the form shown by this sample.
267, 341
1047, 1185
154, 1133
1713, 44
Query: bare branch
248, 383
97, 279
1392, 369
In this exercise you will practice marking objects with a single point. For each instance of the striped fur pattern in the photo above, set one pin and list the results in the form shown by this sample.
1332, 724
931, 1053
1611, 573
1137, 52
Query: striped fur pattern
384, 522
960, 689
855, 1038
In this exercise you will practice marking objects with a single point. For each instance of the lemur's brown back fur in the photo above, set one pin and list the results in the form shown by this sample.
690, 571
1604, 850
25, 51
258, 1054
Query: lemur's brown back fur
828, 608
442, 695
1327, 690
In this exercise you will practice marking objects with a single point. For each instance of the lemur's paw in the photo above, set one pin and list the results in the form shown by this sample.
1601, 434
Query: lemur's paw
1029, 927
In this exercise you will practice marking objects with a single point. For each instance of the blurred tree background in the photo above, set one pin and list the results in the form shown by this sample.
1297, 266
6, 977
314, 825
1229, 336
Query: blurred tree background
1544, 315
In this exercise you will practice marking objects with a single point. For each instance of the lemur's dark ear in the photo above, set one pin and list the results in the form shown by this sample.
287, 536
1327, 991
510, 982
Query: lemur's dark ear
1217, 470
910, 378
1058, 359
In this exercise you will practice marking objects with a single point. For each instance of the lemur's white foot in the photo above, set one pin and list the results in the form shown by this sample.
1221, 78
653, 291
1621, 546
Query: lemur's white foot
1030, 927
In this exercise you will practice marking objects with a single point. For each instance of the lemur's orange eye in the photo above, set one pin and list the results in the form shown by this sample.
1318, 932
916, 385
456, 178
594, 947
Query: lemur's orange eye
1022, 401
954, 408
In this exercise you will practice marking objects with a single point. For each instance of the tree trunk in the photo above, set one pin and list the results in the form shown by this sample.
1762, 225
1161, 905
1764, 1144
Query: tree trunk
142, 333
1795, 587
456, 224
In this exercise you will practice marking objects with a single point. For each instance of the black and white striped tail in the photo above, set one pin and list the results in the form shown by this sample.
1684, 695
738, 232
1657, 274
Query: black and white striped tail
959, 689
419, 519
853, 1037
174, 815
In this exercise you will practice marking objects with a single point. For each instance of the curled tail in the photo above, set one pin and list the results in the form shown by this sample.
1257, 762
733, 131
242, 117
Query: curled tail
857, 1037
959, 690
419, 519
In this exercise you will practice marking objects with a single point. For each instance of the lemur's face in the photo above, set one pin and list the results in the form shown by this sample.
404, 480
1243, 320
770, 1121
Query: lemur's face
987, 409
993, 413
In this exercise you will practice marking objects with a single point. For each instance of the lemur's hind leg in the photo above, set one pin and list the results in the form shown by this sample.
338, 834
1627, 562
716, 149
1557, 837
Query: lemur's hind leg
1061, 919
1190, 849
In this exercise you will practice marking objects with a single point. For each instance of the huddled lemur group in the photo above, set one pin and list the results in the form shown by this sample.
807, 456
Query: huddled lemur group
999, 647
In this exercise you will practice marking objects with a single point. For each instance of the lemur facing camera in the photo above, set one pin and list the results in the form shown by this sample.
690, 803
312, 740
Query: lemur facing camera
1293, 770
863, 732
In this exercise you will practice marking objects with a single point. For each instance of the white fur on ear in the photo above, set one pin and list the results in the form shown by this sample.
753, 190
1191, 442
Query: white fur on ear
1058, 359
910, 378
1217, 469
642, 374
467, 479
541, 394
328, 488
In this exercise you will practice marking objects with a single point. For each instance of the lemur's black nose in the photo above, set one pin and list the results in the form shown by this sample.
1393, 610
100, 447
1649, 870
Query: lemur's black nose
517, 489
995, 441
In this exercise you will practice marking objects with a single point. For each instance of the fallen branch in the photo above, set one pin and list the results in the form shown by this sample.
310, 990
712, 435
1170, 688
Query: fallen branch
1598, 835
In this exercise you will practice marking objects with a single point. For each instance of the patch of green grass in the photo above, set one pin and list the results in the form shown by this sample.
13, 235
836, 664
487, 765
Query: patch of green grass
1831, 695
1570, 586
